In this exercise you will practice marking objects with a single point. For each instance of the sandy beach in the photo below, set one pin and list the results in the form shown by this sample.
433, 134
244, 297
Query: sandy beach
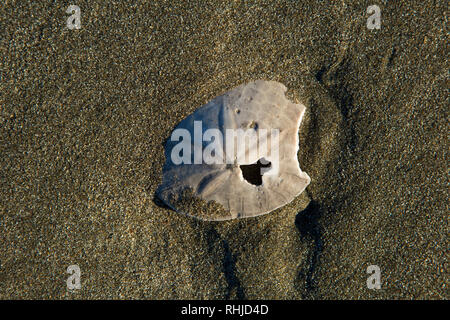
84, 115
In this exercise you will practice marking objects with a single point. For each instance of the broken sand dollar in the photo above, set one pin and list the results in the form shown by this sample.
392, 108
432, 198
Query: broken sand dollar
236, 156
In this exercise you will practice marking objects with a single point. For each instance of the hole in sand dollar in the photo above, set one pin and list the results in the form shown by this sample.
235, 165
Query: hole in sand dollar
253, 173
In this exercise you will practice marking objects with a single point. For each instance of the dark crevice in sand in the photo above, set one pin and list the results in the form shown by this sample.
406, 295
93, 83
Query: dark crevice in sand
307, 223
212, 236
319, 74
392, 55
332, 78
234, 289
160, 203
229, 268
345, 100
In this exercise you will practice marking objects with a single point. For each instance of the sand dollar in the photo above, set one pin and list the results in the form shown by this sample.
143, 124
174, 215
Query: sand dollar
236, 156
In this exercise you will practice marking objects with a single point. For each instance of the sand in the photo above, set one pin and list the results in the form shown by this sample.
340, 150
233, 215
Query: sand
84, 115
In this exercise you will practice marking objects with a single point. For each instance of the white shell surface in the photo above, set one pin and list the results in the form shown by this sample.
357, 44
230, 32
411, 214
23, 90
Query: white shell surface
258, 105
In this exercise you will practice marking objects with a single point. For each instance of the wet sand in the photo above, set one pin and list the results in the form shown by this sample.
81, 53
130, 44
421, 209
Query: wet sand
85, 113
